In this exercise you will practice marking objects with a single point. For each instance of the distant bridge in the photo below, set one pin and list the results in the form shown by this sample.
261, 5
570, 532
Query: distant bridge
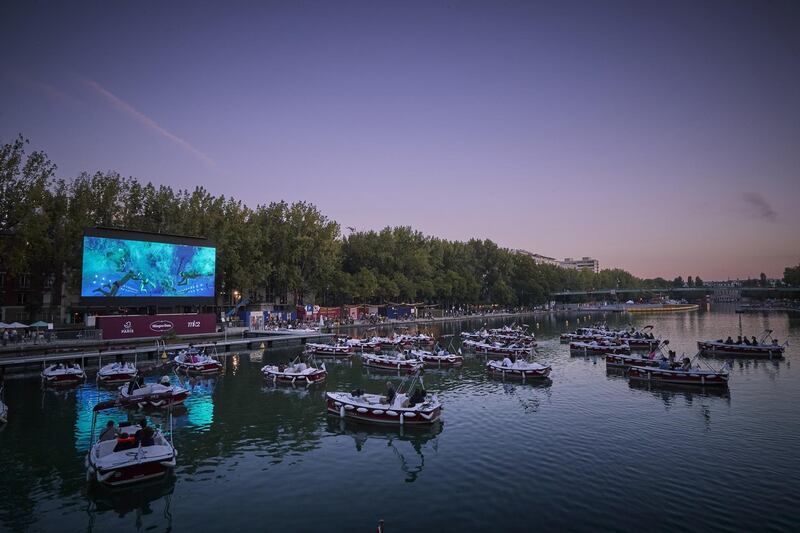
717, 293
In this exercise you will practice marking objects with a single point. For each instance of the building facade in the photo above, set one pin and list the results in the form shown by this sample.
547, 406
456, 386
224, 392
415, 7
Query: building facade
584, 263
539, 259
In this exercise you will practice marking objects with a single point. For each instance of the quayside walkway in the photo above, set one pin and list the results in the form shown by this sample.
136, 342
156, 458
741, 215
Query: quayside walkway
150, 350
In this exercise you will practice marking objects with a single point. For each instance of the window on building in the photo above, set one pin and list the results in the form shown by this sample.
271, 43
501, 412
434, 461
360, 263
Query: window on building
2, 280
22, 298
49, 281
25, 281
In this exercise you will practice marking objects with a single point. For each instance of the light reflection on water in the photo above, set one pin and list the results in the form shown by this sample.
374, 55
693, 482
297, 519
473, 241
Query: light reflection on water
586, 449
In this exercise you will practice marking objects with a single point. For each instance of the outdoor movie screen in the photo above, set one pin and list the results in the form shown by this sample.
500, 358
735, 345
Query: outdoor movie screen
115, 267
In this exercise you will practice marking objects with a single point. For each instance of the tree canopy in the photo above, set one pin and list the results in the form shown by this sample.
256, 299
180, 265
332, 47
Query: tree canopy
275, 249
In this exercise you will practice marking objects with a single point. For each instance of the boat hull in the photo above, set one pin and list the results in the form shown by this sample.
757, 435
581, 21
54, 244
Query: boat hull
625, 361
63, 380
677, 377
437, 362
739, 350
598, 350
296, 379
154, 401
116, 378
128, 475
386, 417
199, 368
516, 373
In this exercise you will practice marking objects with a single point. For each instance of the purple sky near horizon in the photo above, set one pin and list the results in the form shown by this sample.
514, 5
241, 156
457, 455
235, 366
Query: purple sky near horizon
659, 137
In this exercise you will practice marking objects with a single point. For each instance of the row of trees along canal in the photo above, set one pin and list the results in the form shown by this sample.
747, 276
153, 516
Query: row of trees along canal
277, 248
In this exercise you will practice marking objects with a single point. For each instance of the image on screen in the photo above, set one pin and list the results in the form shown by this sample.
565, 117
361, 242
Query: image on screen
128, 269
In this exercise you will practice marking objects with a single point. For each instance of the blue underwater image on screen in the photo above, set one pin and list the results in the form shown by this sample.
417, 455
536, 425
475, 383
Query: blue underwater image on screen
125, 268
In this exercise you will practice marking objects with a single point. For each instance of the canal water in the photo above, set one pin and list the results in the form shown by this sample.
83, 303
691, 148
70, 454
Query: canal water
586, 451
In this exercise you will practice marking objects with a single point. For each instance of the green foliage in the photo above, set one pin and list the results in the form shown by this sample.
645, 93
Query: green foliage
791, 276
282, 248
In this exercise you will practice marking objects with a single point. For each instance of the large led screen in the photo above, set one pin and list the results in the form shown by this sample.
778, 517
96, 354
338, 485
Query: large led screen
122, 268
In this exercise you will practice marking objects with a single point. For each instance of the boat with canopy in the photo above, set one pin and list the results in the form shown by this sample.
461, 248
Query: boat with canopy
408, 405
134, 453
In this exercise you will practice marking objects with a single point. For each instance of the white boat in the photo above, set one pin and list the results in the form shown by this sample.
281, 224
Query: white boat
763, 347
297, 372
395, 361
118, 372
337, 351
196, 361
63, 374
417, 408
438, 358
692, 376
125, 460
152, 395
519, 369
598, 348
498, 349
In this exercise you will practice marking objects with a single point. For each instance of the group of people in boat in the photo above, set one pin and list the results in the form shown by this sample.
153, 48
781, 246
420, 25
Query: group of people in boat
293, 367
743, 341
669, 363
417, 395
640, 335
143, 436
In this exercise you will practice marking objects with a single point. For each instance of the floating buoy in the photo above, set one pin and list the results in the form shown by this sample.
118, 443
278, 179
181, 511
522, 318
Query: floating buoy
391, 413
377, 412
361, 410
349, 407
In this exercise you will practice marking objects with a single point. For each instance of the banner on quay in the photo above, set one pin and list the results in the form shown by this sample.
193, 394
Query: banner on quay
137, 326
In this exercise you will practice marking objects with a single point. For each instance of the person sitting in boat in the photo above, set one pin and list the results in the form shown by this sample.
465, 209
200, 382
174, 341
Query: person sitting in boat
774, 342
390, 392
687, 364
664, 364
671, 360
753, 341
417, 397
507, 362
745, 341
729, 340
144, 436
110, 433
739, 340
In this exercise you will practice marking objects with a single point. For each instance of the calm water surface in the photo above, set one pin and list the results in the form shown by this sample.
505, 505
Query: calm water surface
585, 451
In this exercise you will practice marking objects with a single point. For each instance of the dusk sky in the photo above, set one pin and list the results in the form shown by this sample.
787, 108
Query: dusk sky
660, 137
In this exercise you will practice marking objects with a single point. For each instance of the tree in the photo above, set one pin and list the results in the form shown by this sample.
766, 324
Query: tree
698, 282
677, 282
763, 279
690, 282
791, 276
